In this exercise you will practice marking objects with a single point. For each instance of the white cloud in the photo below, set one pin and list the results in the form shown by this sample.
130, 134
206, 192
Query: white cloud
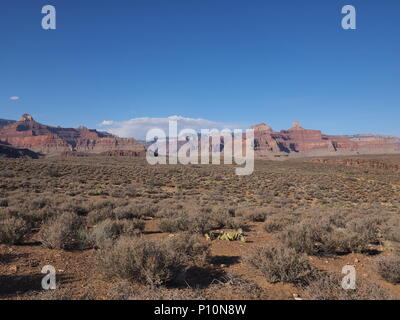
14, 98
106, 123
138, 127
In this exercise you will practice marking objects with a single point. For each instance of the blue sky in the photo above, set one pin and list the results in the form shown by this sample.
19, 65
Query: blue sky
237, 62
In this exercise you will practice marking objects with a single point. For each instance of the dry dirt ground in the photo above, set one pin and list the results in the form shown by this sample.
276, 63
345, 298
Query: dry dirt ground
283, 194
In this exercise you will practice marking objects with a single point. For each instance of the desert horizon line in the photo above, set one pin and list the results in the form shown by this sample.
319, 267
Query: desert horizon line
163, 121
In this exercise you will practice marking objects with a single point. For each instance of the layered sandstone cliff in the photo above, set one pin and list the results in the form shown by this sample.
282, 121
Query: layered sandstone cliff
298, 141
28, 134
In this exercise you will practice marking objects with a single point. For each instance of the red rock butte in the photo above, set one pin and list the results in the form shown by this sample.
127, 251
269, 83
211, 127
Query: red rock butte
298, 141
26, 133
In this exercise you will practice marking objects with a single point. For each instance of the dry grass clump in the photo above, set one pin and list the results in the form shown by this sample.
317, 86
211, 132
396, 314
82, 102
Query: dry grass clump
135, 210
184, 221
98, 215
236, 286
280, 264
152, 262
64, 292
191, 249
12, 230
103, 210
331, 233
222, 218
199, 222
391, 228
33, 217
78, 207
107, 231
327, 286
389, 268
279, 221
64, 232
126, 290
254, 214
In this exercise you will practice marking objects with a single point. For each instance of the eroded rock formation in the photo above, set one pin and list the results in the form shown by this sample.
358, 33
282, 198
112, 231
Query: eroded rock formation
28, 134
298, 141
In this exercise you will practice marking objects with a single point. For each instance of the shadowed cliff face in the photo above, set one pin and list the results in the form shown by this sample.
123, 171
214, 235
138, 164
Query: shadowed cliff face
29, 134
10, 152
5, 122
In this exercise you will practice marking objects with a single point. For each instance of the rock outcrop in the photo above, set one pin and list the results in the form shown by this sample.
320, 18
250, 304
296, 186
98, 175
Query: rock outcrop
300, 142
362, 163
26, 133
262, 127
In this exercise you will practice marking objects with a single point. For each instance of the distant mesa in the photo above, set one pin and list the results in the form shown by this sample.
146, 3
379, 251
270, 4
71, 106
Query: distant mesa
300, 142
261, 127
26, 133
28, 138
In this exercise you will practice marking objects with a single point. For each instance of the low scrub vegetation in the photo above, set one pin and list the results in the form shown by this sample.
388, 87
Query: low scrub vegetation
389, 268
327, 286
152, 262
146, 225
331, 233
64, 232
107, 231
12, 230
198, 222
280, 264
